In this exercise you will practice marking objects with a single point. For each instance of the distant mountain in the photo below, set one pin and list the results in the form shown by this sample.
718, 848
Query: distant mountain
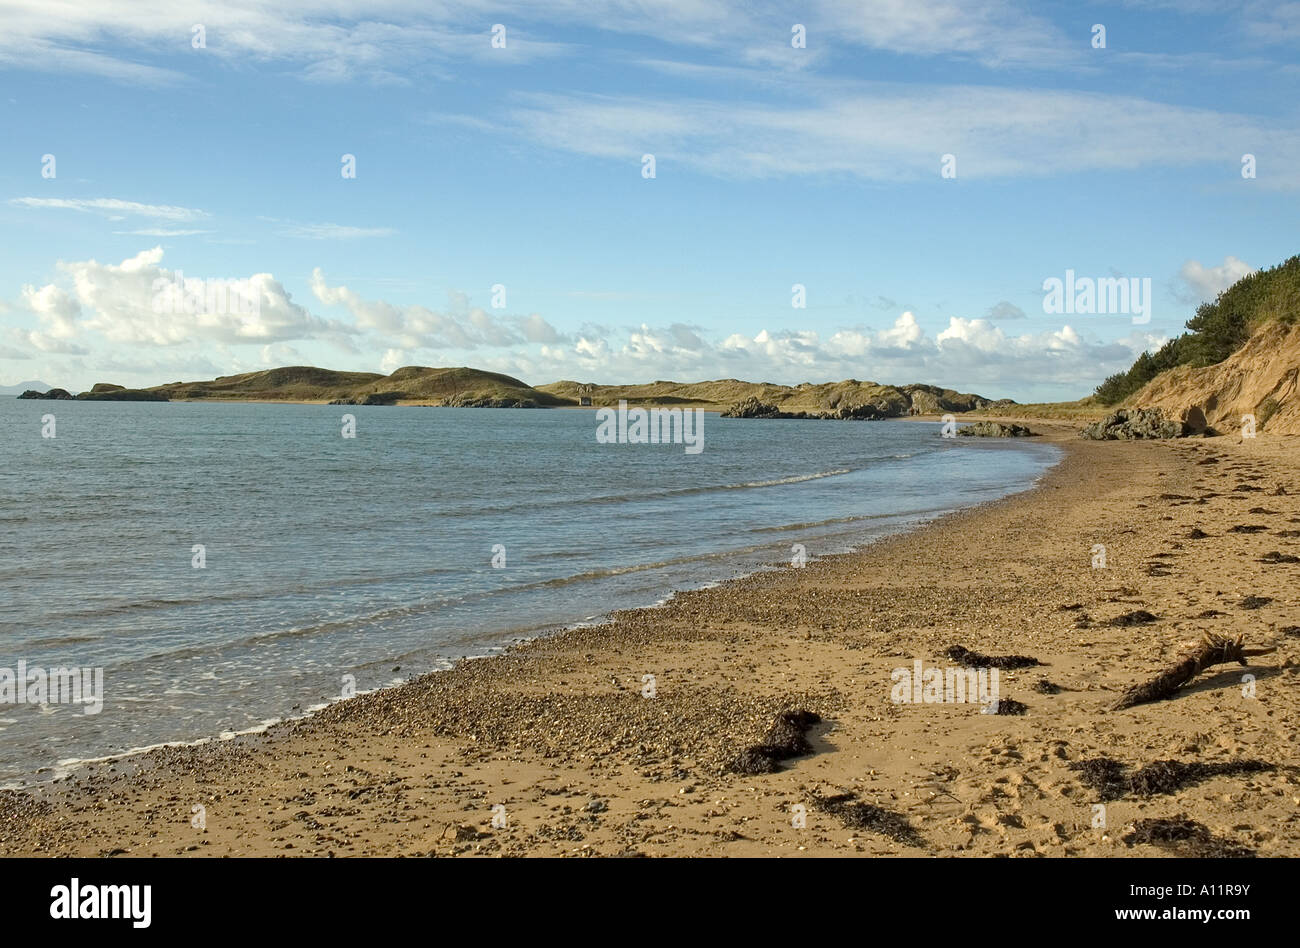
21, 387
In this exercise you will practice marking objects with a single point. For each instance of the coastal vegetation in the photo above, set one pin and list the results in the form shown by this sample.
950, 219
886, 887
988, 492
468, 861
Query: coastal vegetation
1218, 329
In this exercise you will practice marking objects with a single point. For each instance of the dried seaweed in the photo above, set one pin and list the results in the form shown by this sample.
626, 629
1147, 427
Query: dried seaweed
1186, 837
1111, 780
785, 738
1136, 617
1008, 706
967, 658
1104, 775
857, 815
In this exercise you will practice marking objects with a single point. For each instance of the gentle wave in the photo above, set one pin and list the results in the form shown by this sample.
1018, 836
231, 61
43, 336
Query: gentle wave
643, 495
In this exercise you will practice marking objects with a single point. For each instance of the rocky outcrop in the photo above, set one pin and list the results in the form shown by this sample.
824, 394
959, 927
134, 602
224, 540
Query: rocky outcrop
116, 393
754, 408
849, 398
1134, 424
994, 429
56, 394
372, 398
933, 400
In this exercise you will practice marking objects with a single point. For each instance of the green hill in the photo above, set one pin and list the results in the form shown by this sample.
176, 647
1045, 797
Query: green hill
414, 385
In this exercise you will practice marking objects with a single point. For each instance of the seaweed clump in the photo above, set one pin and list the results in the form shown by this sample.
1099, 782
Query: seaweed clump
1136, 617
1186, 837
1111, 780
1008, 706
969, 659
855, 814
785, 738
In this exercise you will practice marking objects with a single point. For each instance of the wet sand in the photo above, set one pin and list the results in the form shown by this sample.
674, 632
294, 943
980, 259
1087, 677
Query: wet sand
557, 740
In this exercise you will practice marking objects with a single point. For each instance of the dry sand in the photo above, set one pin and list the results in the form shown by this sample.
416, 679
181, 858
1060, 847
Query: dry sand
559, 733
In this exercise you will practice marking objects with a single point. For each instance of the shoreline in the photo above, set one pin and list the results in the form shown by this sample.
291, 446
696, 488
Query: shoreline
556, 730
714, 569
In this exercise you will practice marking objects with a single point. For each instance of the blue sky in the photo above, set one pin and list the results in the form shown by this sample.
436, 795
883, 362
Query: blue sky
522, 166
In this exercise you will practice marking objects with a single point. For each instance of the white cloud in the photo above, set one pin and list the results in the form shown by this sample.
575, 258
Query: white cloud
116, 301
969, 354
1200, 283
109, 307
413, 326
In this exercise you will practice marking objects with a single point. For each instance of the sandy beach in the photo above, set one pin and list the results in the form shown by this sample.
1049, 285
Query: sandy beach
564, 746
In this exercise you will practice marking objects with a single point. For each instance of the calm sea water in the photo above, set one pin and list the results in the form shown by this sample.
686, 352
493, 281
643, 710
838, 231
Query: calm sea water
373, 557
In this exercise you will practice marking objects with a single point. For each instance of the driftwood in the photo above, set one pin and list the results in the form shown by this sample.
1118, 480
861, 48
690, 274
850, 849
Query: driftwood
1212, 649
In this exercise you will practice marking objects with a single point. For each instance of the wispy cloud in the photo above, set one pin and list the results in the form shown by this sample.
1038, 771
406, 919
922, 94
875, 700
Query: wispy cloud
889, 132
158, 232
339, 40
329, 231
114, 208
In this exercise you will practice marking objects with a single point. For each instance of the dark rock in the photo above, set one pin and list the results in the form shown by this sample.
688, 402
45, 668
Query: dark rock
1131, 424
752, 408
1193, 420
993, 429
55, 394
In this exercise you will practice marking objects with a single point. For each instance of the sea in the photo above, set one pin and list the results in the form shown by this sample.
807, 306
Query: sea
224, 566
